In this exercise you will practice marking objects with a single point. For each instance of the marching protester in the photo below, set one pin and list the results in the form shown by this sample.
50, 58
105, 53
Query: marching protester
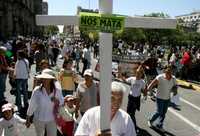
137, 87
69, 114
3, 72
39, 56
67, 77
12, 80
121, 123
166, 84
78, 54
44, 102
9, 121
43, 65
86, 58
87, 92
21, 74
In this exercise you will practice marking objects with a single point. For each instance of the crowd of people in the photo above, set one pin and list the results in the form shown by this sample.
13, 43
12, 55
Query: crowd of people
64, 104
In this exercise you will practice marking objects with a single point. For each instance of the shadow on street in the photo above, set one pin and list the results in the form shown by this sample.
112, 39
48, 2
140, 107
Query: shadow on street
166, 133
143, 132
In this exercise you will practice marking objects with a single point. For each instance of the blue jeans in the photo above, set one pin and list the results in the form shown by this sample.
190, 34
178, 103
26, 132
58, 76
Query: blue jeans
22, 90
3, 77
162, 106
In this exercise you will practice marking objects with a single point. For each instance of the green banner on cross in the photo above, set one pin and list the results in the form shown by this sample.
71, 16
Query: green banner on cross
101, 22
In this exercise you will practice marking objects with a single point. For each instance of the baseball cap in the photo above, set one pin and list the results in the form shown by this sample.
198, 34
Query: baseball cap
7, 107
88, 72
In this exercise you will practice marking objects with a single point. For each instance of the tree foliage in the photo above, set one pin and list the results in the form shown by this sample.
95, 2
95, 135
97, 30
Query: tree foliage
171, 37
51, 30
159, 14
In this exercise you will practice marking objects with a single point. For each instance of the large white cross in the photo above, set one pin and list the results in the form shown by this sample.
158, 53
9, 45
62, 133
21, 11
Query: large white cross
105, 7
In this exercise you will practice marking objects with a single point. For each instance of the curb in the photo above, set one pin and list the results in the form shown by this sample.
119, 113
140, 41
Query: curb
188, 84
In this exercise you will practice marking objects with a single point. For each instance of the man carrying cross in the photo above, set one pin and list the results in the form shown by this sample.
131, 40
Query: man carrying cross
121, 123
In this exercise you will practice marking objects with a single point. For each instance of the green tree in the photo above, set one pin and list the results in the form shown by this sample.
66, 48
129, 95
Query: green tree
51, 30
159, 14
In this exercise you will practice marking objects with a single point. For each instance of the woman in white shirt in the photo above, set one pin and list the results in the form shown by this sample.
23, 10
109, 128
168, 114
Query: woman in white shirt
137, 86
42, 103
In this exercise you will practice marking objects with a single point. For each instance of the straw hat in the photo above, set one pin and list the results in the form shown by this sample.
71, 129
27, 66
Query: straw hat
46, 74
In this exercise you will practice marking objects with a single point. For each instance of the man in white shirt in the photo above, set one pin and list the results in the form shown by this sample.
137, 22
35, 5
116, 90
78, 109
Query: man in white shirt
166, 83
21, 73
121, 123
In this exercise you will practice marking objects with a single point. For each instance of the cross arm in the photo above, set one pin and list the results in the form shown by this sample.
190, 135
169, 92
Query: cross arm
150, 22
56, 20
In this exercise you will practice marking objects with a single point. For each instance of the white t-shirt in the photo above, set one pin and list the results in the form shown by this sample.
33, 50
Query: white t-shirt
136, 86
22, 69
86, 54
164, 86
10, 126
121, 124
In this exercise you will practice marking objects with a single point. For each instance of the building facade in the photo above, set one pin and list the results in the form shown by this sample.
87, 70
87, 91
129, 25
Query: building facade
44, 8
191, 20
73, 31
17, 17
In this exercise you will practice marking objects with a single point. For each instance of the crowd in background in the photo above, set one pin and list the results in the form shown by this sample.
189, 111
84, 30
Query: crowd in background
73, 96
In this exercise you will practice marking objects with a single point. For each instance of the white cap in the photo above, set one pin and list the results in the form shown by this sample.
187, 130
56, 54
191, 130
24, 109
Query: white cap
7, 107
88, 72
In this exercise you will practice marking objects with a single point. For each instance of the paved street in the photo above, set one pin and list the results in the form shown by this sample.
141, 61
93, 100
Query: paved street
184, 122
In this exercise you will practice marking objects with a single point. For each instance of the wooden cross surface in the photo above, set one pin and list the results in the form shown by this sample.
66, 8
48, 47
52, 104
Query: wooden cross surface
105, 40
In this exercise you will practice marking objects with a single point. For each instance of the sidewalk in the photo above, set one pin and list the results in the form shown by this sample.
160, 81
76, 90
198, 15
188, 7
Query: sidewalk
188, 85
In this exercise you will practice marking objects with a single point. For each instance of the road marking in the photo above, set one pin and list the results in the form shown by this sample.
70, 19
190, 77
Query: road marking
189, 103
194, 126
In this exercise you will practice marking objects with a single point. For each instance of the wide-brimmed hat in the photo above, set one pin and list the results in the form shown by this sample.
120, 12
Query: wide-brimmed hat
88, 72
7, 107
47, 74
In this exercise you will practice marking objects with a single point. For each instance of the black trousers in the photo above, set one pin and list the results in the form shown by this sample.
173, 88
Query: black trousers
133, 105
85, 63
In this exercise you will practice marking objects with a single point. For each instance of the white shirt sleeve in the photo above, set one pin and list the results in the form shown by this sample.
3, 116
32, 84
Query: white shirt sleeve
16, 66
33, 103
158, 77
83, 127
129, 79
129, 130
60, 96
19, 119
144, 84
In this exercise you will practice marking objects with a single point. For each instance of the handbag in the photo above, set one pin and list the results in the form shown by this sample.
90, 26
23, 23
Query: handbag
55, 106
58, 119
